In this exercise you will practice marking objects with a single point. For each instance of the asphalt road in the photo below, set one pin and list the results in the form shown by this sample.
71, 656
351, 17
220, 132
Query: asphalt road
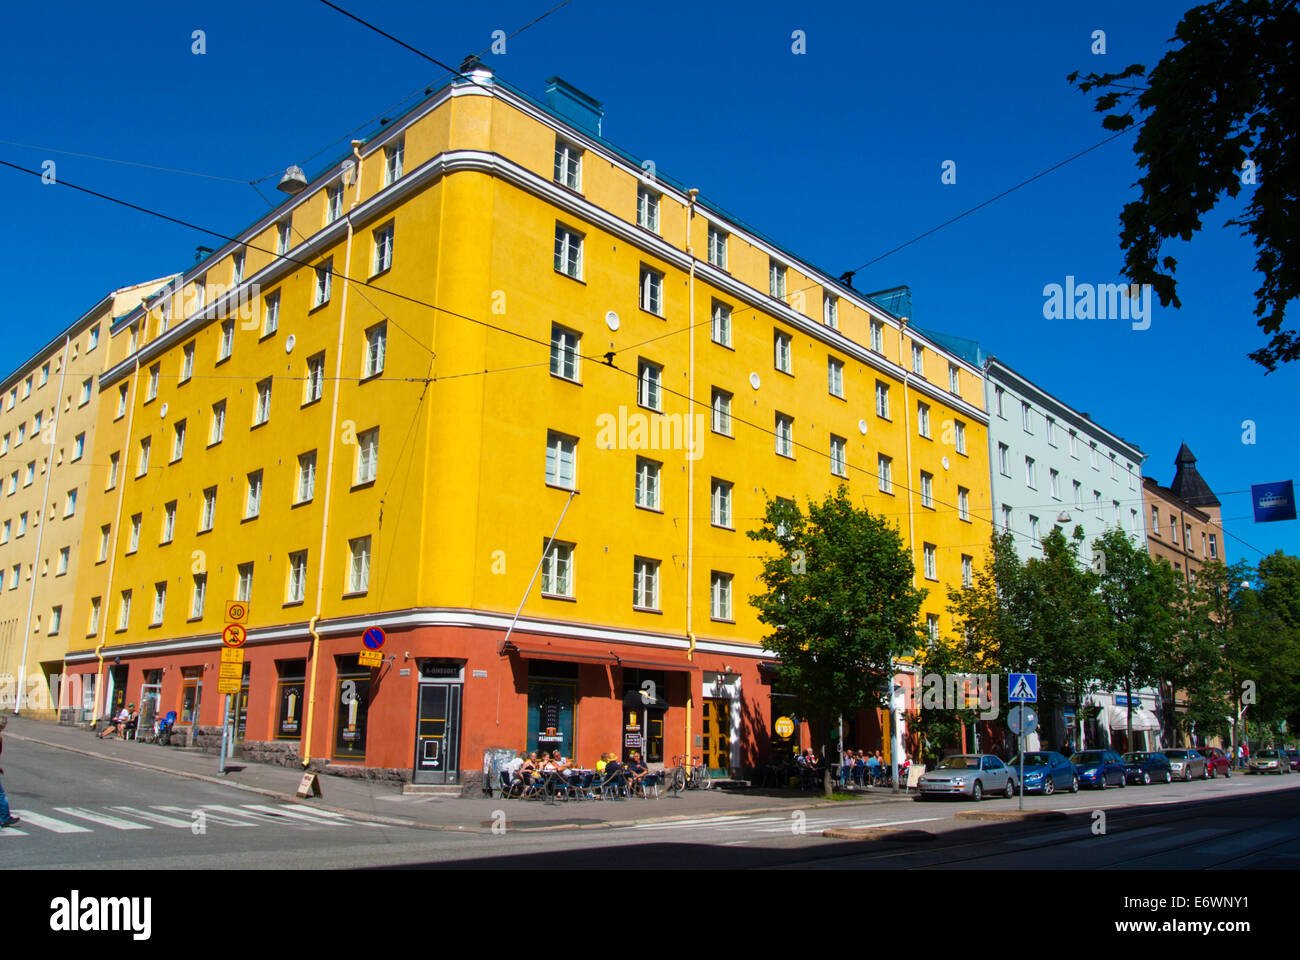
86, 812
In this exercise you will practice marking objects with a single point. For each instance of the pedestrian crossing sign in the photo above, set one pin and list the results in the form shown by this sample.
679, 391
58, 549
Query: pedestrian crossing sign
1023, 688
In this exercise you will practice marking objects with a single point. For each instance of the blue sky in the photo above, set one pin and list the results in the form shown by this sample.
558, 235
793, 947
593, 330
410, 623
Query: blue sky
836, 154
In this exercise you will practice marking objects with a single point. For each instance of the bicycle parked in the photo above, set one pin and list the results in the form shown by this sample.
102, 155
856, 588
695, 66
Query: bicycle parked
692, 777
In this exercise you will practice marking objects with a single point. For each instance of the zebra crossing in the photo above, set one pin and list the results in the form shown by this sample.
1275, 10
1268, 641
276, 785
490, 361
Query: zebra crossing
795, 822
79, 820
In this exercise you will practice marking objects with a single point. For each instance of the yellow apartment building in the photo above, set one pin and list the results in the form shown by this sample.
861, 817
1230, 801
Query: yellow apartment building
47, 451
497, 389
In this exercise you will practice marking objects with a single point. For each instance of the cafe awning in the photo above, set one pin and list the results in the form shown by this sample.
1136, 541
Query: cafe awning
547, 650
1117, 719
651, 663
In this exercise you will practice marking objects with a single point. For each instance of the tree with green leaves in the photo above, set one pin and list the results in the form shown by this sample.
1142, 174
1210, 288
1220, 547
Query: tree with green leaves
1218, 116
840, 601
1139, 595
1224, 676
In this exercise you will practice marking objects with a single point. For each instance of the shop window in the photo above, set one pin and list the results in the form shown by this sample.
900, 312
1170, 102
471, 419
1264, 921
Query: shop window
552, 706
292, 681
191, 693
351, 703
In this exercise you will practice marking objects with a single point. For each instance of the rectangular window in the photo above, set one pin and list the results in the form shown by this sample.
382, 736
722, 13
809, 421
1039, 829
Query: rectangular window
835, 377
376, 350
927, 489
218, 428
94, 339
124, 610
187, 362
781, 351
333, 203
226, 345
568, 252
105, 539
93, 627
283, 232
877, 336
178, 440
1133, 521
383, 250
1051, 431
1132, 483
918, 359
884, 471
367, 456
253, 495
652, 291
296, 589
882, 400
306, 486
244, 583
784, 435
568, 164
717, 248
1006, 517
720, 503
198, 595
923, 419
720, 596
721, 323
839, 457
564, 352
262, 409
1054, 479
169, 522
648, 382
237, 268
1033, 528
645, 583
647, 483
85, 392
721, 412
831, 311
62, 567
561, 460
159, 603
967, 571
557, 570
999, 397
315, 380
142, 462
394, 154
647, 209
1092, 455
1004, 460
1031, 473
954, 379
963, 503
1074, 445
271, 313
151, 391
960, 429
209, 514
931, 565
1214, 546
324, 282
1096, 502
1078, 494
1115, 509
1025, 417
776, 279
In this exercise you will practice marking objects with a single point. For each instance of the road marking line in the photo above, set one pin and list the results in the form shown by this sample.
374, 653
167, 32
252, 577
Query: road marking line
103, 819
49, 823
157, 818
12, 832
215, 818
289, 812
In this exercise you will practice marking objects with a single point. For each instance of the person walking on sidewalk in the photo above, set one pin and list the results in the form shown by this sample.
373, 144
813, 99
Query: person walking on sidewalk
6, 818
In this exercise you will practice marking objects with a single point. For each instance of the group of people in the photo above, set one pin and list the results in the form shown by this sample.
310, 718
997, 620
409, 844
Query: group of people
865, 768
542, 773
122, 723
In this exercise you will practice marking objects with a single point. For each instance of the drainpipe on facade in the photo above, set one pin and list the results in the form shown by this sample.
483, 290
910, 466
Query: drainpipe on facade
897, 717
692, 194
105, 610
314, 655
40, 533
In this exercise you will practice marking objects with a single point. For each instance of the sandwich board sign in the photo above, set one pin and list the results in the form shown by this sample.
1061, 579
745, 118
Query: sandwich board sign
1022, 687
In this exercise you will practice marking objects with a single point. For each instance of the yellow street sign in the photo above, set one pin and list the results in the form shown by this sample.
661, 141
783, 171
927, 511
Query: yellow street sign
370, 658
784, 727
235, 670
236, 611
228, 684
232, 654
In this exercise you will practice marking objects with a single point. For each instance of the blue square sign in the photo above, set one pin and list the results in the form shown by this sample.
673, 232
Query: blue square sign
1022, 688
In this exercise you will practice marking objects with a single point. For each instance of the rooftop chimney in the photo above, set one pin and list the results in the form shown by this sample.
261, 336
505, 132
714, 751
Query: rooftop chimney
573, 105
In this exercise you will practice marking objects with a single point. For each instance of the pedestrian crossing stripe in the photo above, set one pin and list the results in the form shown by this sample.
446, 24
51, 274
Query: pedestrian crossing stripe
247, 815
1024, 688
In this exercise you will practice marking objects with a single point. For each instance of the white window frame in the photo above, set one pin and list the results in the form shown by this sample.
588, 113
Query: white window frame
367, 467
884, 473
561, 460
324, 283
720, 584
372, 364
923, 419
649, 379
927, 489
651, 287
721, 405
394, 155
262, 405
785, 435
882, 400
568, 251
568, 164
647, 490
928, 554
720, 503
718, 247
645, 583
839, 456
963, 504
382, 260
835, 377
781, 343
558, 570
271, 313
305, 485
776, 273
647, 208
831, 310
253, 495
565, 353
720, 327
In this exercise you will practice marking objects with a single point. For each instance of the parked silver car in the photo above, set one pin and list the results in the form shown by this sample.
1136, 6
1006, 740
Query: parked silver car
1186, 764
968, 775
1269, 761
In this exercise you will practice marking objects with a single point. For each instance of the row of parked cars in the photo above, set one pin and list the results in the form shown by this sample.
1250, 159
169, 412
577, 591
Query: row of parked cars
1046, 771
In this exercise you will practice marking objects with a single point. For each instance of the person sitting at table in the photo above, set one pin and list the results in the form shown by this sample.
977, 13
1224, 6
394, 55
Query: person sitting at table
132, 721
846, 768
860, 767
615, 773
117, 724
600, 764
874, 765
638, 772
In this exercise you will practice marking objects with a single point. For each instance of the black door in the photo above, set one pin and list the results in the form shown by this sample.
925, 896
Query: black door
437, 734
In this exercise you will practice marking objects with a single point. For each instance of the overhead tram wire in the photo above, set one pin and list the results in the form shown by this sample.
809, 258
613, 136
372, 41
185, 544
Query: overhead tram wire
127, 163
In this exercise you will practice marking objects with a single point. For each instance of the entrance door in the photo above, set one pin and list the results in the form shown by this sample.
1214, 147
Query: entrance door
717, 735
150, 698
437, 734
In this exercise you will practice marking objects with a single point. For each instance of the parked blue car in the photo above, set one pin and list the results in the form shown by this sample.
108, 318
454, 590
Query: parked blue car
1146, 767
1046, 772
1100, 768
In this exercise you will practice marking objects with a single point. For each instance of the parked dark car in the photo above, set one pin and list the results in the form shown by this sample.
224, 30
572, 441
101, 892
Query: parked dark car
1145, 767
1100, 768
1293, 756
1187, 764
1046, 772
1216, 762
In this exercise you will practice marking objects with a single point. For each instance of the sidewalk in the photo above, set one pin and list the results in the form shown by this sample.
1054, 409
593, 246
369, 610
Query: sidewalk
383, 802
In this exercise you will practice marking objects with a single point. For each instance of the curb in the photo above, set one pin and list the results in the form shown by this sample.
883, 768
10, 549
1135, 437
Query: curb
1013, 816
446, 828
877, 833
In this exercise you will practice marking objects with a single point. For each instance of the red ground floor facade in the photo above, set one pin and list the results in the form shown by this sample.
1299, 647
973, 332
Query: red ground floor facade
449, 692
